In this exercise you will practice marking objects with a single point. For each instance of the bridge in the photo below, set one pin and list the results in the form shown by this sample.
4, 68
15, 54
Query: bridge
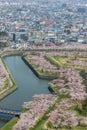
8, 114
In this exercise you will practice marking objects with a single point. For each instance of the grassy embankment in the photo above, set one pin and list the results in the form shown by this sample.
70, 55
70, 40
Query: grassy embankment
11, 53
10, 124
8, 89
65, 61
39, 72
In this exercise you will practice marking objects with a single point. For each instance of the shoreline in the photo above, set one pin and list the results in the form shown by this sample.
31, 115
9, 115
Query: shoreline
12, 88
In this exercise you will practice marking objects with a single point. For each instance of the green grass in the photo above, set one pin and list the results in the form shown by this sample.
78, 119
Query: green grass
11, 53
61, 60
80, 128
10, 124
55, 89
46, 73
77, 128
82, 58
64, 61
53, 61
39, 126
6, 83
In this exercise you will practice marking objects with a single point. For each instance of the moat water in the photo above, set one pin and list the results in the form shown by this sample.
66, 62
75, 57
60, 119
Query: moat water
28, 85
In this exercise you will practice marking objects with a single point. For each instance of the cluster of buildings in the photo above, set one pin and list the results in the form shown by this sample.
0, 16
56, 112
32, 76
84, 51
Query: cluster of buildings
44, 22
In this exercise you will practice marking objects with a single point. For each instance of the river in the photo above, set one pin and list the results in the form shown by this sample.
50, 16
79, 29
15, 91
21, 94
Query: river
28, 84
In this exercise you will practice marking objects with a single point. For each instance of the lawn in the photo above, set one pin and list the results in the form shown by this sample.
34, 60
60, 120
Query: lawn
65, 62
10, 124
